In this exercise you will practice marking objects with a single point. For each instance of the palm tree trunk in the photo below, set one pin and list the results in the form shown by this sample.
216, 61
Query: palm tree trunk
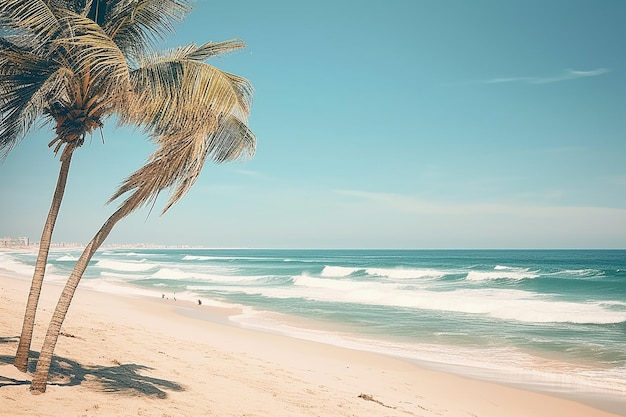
23, 348
40, 378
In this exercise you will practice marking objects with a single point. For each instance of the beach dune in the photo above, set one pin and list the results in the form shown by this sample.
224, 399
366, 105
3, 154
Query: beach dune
139, 356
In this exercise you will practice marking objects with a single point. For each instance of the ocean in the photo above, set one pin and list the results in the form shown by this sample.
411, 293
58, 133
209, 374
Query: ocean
553, 320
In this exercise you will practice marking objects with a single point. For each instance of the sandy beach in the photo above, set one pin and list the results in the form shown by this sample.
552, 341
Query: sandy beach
138, 356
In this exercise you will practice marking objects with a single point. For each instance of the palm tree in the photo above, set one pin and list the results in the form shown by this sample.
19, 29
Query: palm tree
77, 62
34, 82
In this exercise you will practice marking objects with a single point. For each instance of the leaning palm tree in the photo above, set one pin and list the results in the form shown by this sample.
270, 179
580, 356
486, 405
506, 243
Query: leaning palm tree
175, 164
77, 62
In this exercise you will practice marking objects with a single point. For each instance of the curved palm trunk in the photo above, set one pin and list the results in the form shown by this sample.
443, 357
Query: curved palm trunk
40, 378
23, 348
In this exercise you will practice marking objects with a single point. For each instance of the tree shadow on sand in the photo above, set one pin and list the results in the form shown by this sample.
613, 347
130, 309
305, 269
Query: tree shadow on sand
120, 378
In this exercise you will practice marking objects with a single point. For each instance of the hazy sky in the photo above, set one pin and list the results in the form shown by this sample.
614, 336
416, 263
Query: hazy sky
381, 124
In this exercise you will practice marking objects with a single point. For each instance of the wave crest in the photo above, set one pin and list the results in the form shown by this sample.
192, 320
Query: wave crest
501, 272
138, 266
338, 271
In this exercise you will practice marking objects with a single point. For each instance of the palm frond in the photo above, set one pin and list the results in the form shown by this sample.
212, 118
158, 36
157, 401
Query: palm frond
178, 161
173, 92
233, 140
25, 79
193, 111
29, 21
136, 25
211, 49
88, 49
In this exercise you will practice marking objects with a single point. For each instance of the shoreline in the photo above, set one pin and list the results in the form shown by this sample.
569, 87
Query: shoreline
596, 397
185, 359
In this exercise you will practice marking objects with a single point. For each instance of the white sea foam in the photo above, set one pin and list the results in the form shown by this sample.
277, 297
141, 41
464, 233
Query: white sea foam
501, 272
171, 273
581, 272
613, 303
118, 276
226, 258
67, 258
340, 284
503, 304
129, 266
399, 273
338, 271
11, 264
205, 258
144, 254
177, 274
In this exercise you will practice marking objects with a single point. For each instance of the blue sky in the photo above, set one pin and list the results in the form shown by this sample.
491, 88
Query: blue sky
396, 124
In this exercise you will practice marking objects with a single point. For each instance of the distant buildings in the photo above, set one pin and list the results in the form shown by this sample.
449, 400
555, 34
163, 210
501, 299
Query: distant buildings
14, 241
22, 242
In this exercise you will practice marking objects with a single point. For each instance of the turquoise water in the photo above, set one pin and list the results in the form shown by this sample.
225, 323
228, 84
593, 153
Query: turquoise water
551, 318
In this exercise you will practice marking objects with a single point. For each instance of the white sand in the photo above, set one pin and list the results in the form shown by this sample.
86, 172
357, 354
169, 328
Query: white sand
126, 356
